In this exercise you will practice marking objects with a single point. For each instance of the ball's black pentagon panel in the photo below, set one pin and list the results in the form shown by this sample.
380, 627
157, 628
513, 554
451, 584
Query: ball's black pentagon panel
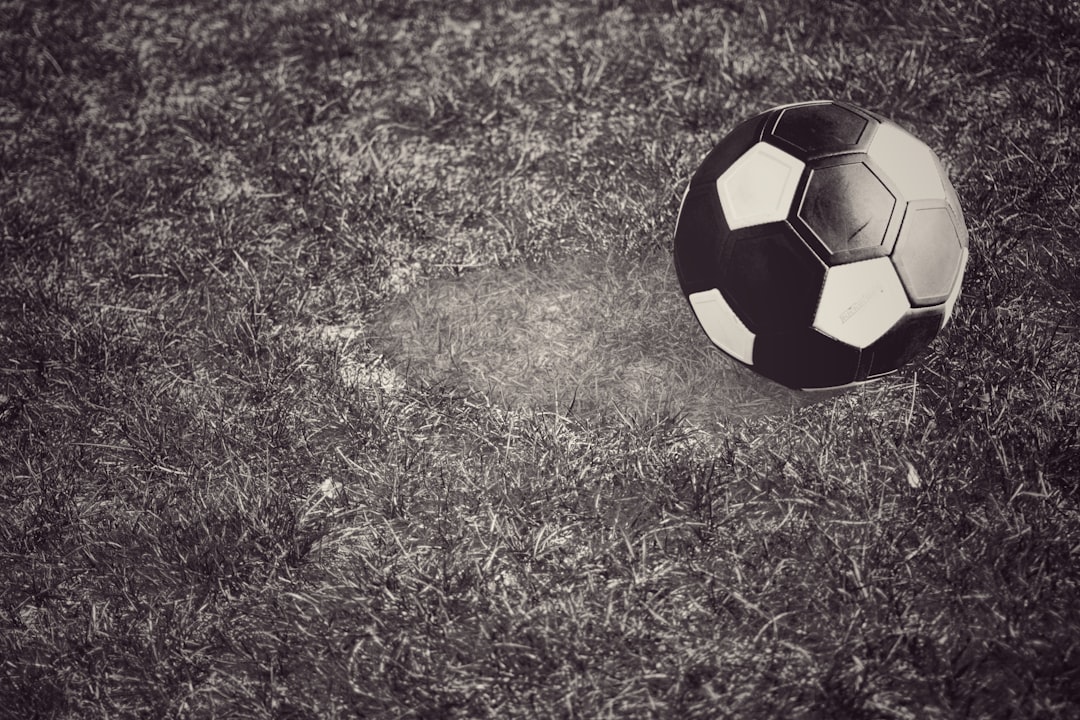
927, 254
729, 149
698, 233
771, 278
848, 209
821, 129
805, 359
905, 341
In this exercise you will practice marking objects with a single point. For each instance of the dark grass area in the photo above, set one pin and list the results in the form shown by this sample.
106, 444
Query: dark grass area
202, 516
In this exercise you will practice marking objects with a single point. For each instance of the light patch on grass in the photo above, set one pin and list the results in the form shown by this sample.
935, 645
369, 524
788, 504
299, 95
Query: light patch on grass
228, 180
369, 373
584, 335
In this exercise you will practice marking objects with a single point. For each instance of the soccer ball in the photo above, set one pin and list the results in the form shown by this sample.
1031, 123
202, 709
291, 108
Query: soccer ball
821, 245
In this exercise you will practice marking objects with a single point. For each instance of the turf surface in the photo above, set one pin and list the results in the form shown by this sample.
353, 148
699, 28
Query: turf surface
222, 496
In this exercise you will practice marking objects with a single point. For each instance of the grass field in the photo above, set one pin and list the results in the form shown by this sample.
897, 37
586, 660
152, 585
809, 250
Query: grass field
242, 476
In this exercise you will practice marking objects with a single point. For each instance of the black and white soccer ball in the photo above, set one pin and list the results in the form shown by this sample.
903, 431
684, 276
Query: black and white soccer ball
821, 245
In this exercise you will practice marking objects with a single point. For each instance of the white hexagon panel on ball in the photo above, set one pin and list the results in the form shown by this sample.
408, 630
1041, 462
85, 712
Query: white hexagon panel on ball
759, 187
908, 162
861, 301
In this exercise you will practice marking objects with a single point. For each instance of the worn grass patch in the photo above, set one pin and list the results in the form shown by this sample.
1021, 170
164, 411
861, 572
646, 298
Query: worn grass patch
584, 336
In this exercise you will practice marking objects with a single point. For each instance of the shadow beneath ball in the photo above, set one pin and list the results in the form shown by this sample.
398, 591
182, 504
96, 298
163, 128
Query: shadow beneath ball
584, 336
